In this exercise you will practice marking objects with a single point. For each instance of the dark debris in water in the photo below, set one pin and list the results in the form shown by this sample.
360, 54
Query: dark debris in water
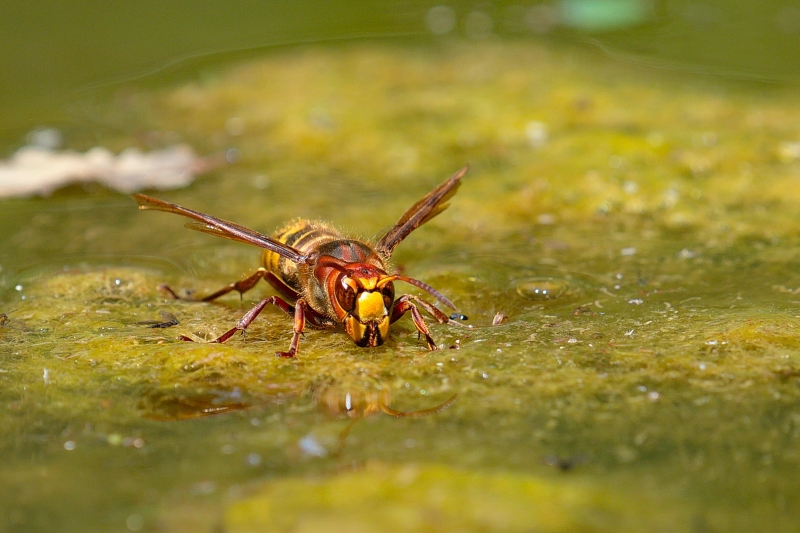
172, 405
565, 464
167, 321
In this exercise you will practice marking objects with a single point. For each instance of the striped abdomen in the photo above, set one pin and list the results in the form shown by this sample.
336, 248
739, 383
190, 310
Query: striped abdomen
304, 235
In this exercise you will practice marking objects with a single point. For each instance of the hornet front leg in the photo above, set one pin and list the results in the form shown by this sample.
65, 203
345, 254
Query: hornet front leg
404, 304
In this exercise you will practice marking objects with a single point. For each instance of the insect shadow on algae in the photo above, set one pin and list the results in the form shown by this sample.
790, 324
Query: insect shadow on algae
329, 278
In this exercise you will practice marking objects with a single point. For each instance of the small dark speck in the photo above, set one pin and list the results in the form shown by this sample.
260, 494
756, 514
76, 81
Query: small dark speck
565, 464
458, 316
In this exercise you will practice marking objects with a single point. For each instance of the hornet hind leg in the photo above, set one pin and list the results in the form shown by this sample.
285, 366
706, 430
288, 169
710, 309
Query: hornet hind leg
241, 286
301, 312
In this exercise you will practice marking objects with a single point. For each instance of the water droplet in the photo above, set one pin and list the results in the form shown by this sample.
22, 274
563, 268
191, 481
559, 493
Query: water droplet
440, 19
543, 288
134, 522
310, 446
233, 155
261, 181
536, 132
630, 187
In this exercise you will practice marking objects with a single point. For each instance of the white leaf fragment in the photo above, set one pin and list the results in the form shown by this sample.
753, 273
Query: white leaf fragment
34, 170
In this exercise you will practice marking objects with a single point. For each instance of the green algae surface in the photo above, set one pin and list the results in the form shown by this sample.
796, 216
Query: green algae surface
637, 229
431, 498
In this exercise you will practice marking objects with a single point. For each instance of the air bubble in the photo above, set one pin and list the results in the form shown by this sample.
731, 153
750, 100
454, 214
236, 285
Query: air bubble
543, 288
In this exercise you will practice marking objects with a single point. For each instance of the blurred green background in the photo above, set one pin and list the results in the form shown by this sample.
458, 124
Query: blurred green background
53, 52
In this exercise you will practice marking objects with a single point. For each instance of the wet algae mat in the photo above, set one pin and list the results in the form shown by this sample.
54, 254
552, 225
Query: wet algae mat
637, 229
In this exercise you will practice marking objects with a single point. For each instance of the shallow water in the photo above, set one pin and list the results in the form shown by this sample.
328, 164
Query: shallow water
636, 228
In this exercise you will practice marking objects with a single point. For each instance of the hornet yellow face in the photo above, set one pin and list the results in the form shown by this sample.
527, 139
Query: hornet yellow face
368, 324
368, 304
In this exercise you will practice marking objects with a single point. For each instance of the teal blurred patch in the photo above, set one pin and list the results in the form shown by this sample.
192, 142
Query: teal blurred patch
603, 15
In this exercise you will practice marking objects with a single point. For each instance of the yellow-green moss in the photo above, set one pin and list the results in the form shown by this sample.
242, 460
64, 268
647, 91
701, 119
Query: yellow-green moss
416, 498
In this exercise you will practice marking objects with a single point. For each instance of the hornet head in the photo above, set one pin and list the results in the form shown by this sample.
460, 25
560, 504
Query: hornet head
367, 296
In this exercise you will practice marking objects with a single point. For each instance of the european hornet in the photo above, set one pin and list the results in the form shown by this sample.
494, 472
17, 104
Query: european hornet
330, 278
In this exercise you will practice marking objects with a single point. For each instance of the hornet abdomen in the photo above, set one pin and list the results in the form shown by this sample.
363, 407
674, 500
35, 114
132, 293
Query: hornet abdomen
304, 235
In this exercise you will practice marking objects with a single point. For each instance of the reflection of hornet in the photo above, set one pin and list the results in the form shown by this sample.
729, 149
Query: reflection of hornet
359, 403
330, 278
183, 404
